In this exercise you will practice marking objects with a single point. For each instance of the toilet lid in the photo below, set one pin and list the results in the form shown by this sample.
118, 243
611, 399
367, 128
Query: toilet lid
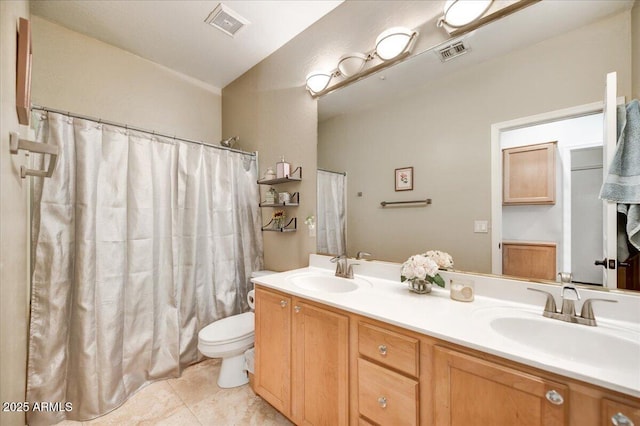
230, 328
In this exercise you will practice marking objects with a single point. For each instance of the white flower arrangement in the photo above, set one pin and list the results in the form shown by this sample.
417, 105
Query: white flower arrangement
425, 267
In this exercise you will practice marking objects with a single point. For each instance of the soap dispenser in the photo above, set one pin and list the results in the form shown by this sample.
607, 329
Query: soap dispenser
283, 169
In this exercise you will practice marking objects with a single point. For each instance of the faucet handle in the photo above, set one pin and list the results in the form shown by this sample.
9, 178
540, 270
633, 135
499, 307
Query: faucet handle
350, 269
587, 308
337, 258
550, 304
362, 254
565, 277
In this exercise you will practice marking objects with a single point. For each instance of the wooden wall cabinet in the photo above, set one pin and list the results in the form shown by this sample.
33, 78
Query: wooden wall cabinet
529, 259
302, 359
529, 174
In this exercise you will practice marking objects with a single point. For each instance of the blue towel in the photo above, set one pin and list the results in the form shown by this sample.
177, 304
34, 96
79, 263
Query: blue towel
622, 184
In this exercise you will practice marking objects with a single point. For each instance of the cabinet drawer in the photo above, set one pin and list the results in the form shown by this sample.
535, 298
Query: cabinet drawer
386, 397
389, 348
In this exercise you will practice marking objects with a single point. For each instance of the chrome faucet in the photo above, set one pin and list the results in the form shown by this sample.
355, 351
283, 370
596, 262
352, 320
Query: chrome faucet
570, 294
343, 269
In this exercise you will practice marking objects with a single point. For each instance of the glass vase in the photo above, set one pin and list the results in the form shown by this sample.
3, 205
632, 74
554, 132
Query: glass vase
420, 286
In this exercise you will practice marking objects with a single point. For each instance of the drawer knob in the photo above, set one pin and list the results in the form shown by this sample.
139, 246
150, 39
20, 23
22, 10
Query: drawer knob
283, 303
382, 401
620, 419
297, 308
383, 350
554, 397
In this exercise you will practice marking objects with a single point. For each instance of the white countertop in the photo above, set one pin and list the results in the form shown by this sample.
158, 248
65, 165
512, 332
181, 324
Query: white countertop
436, 315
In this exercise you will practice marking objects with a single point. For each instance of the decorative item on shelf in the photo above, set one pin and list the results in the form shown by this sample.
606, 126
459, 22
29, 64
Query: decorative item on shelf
421, 270
283, 169
279, 217
269, 174
284, 197
272, 196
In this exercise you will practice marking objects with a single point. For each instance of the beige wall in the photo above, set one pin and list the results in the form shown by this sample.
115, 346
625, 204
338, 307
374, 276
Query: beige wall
443, 131
272, 112
14, 274
635, 45
73, 72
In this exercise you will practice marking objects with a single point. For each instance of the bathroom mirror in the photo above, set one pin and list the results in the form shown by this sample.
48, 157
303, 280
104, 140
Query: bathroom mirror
435, 116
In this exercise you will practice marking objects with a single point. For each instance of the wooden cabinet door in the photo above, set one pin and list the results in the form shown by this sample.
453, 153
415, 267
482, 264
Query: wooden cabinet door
619, 414
472, 391
320, 366
529, 174
273, 349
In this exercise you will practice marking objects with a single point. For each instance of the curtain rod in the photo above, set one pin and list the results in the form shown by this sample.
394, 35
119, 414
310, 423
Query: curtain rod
331, 171
137, 129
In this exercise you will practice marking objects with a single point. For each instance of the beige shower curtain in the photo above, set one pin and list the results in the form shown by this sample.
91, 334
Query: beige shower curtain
139, 242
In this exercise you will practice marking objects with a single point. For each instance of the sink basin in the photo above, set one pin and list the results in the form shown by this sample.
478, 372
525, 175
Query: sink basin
327, 283
592, 346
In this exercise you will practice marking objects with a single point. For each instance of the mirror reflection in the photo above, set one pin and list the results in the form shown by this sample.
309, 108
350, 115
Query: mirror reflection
436, 117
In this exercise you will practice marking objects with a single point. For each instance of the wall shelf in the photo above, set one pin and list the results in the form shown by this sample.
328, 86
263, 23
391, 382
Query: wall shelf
291, 226
294, 202
295, 176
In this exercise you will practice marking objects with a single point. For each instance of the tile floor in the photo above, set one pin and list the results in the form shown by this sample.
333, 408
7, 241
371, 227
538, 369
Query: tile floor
193, 399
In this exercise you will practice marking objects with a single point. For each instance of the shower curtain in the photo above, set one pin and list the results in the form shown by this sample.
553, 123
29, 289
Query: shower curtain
139, 242
332, 213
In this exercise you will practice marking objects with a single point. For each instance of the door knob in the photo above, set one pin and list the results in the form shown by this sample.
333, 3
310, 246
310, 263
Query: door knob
607, 263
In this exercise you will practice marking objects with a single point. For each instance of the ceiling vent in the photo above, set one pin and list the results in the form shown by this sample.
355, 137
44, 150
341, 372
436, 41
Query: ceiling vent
226, 20
453, 50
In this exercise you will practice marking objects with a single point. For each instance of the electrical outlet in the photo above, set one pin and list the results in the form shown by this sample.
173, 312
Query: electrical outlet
481, 226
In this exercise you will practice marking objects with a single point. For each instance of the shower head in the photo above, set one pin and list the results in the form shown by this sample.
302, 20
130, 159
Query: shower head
229, 142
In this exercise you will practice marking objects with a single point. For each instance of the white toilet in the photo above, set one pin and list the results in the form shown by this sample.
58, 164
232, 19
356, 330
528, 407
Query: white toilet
228, 339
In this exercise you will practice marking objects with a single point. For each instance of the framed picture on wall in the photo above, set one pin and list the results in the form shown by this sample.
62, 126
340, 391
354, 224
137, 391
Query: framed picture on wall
404, 179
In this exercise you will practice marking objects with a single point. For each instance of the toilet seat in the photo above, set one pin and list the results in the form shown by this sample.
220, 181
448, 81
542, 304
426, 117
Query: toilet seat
228, 330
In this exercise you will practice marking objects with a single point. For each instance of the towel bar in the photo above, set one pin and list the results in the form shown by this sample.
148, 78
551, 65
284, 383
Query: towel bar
15, 143
389, 203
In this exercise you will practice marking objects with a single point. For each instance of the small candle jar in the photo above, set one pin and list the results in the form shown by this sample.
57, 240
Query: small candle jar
461, 290
284, 197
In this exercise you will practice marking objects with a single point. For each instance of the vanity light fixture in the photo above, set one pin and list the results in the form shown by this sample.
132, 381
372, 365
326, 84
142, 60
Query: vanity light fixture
352, 63
317, 81
458, 13
392, 45
393, 42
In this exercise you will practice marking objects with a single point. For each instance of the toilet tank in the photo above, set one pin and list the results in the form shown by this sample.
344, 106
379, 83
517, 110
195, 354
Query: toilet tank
262, 273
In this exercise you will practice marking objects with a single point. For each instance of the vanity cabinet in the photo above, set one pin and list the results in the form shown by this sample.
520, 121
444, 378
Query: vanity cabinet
470, 390
302, 359
529, 174
320, 365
